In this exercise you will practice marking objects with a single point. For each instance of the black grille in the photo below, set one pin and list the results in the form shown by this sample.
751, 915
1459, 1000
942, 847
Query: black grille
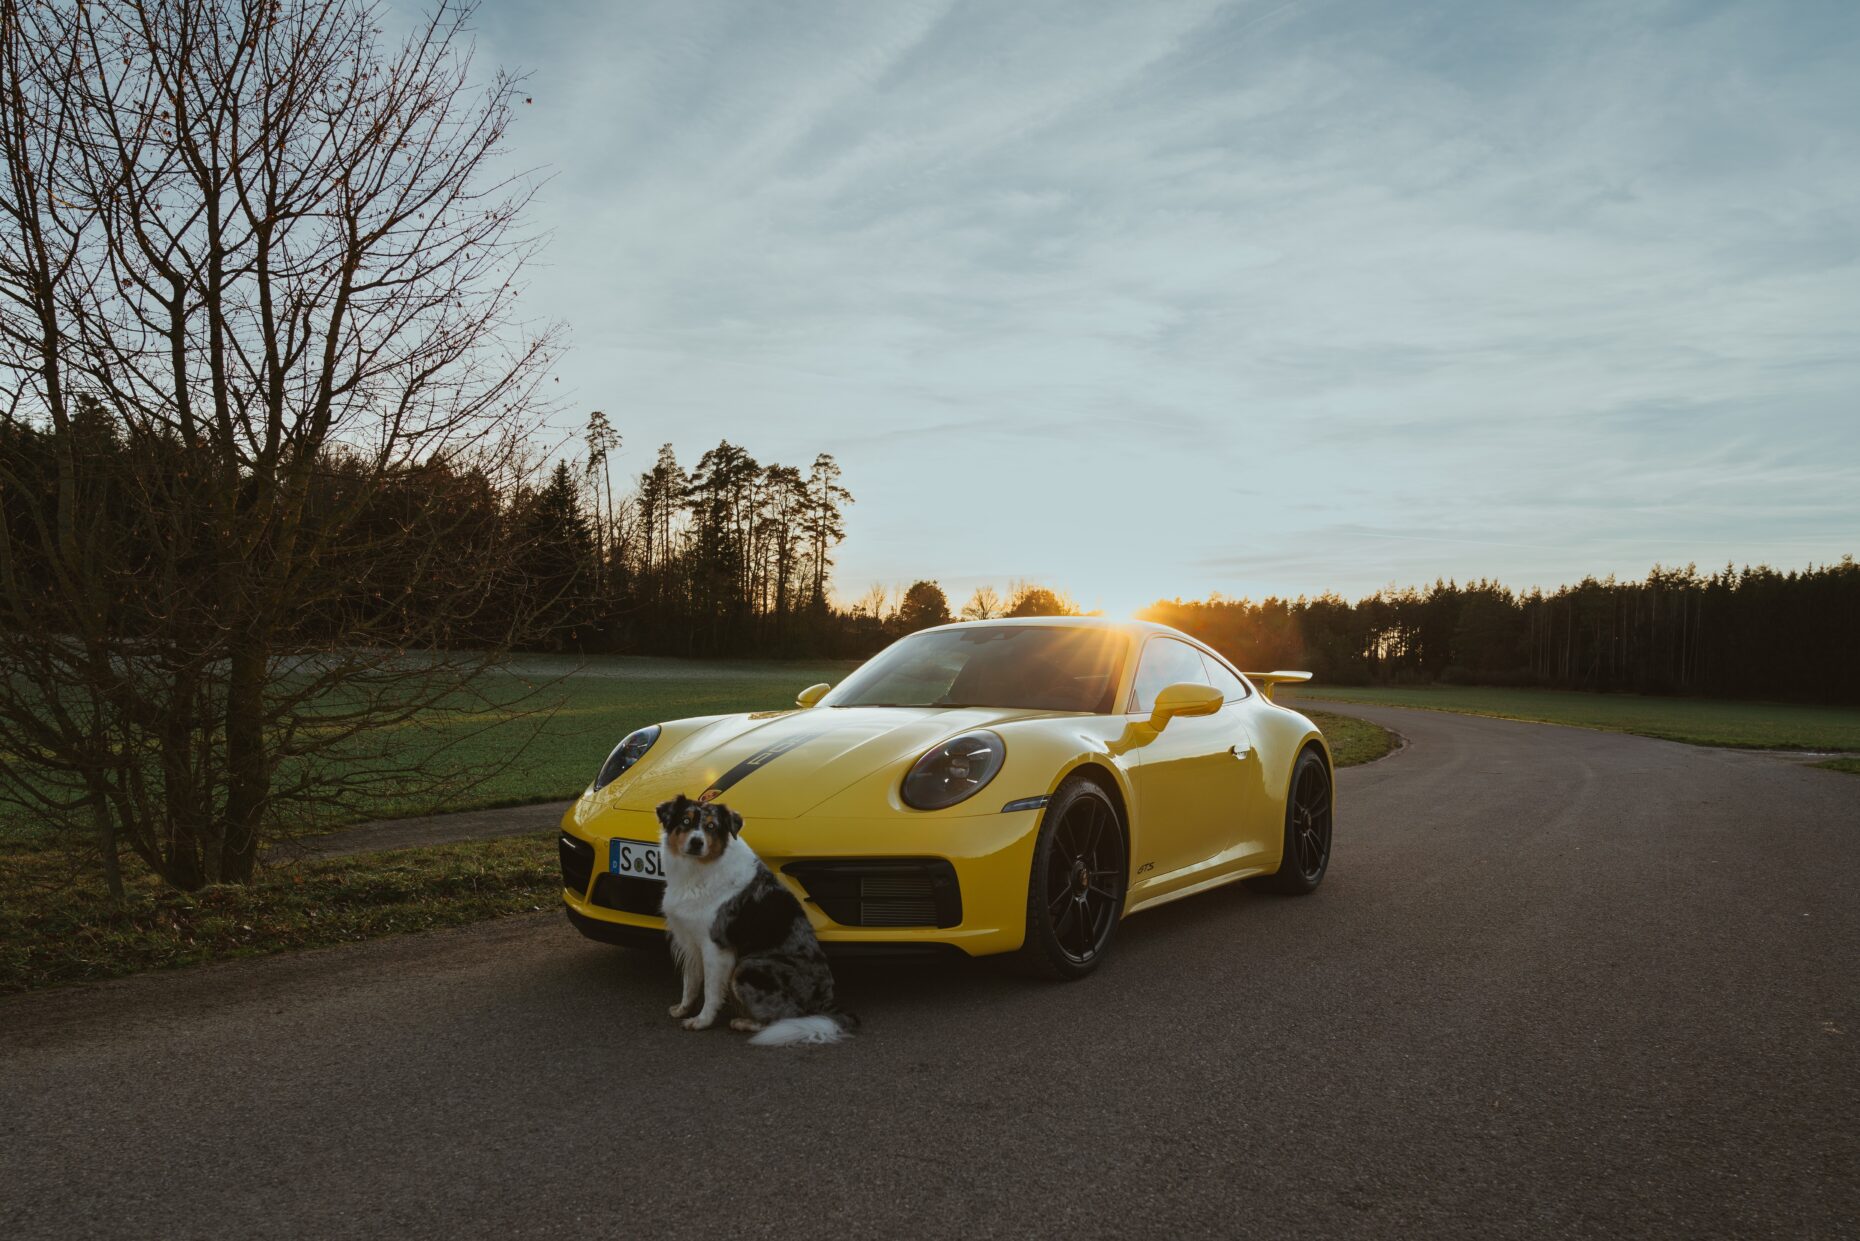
577, 863
891, 892
629, 893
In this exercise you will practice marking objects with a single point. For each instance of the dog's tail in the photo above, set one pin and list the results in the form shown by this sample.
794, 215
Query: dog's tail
820, 1028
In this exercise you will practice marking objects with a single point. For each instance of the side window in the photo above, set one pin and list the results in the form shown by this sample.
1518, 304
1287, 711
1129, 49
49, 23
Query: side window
1165, 662
1223, 679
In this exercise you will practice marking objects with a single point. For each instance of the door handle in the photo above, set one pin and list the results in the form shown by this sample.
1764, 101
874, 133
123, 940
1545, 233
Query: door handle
1241, 752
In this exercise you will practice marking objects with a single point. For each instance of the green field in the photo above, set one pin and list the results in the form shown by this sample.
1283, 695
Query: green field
574, 709
1701, 721
556, 719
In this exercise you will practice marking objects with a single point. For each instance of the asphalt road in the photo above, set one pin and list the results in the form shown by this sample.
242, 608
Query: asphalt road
1557, 983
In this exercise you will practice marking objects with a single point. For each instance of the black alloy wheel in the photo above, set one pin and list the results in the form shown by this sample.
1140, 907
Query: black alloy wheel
1075, 893
1306, 854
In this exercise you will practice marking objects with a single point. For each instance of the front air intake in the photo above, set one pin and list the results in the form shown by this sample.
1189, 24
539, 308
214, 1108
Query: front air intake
892, 892
577, 863
630, 894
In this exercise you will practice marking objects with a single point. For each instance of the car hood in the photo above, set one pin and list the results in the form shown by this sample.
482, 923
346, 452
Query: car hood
783, 764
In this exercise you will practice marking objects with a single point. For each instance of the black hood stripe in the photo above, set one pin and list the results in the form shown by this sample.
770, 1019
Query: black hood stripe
761, 758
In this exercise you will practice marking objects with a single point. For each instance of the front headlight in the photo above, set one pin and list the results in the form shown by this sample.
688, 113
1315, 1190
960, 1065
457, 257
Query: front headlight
631, 749
954, 771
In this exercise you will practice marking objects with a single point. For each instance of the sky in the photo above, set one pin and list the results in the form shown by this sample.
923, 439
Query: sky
1162, 299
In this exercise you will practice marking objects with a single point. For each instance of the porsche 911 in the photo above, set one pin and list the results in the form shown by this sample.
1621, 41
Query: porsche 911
1007, 786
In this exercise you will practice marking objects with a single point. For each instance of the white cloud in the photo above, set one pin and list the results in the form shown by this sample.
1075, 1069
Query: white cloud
1249, 297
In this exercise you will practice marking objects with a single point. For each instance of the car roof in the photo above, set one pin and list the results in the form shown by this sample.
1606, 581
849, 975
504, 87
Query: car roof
1131, 627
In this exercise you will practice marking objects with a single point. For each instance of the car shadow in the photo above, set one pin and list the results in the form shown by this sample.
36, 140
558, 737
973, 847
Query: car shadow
607, 983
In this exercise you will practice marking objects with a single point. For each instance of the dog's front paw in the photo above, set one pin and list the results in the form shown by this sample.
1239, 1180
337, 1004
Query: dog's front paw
699, 1022
680, 1009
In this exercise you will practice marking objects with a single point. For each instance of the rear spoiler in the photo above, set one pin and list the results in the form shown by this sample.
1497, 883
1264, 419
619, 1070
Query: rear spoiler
1266, 680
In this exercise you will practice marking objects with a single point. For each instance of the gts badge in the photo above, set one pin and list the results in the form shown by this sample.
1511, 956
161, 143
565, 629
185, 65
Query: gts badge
1146, 868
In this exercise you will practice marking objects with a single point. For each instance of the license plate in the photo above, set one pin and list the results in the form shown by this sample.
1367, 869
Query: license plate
635, 857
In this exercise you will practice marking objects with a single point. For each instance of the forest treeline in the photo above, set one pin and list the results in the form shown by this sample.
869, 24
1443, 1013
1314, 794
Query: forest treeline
1743, 633
729, 556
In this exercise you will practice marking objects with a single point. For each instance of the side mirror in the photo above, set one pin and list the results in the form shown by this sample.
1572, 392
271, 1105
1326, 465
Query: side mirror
1186, 698
811, 695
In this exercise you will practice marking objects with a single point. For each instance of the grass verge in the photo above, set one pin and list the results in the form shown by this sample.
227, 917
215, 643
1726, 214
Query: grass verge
56, 928
1700, 721
573, 710
1849, 765
1352, 741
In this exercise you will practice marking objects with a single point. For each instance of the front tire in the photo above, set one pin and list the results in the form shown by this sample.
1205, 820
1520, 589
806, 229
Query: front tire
1075, 889
1306, 853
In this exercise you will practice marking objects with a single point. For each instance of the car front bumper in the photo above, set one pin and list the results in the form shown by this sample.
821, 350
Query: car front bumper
989, 854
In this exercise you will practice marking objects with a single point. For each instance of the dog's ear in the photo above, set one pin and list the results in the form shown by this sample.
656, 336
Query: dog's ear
736, 822
668, 810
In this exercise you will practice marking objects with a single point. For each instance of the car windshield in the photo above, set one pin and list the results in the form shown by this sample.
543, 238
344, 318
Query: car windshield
1036, 667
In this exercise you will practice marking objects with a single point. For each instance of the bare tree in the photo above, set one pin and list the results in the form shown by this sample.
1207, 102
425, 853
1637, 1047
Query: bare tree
873, 602
257, 317
984, 604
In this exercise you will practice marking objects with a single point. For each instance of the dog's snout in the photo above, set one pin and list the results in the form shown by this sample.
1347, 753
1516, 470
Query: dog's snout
694, 844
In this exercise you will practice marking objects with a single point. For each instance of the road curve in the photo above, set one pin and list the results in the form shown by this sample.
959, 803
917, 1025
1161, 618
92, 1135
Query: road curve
1558, 983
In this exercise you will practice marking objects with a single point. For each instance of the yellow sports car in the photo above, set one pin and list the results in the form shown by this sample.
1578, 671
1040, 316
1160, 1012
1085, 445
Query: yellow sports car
999, 786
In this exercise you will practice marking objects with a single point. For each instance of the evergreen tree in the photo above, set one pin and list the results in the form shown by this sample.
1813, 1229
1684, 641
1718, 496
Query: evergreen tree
558, 574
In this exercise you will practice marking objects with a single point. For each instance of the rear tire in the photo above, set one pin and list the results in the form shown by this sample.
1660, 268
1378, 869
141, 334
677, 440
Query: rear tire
1305, 856
1075, 887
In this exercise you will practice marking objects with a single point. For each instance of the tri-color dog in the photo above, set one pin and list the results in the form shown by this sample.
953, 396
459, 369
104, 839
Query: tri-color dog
739, 935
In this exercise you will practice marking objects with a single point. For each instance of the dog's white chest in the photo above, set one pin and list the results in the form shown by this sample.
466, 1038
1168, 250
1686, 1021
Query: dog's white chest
692, 911
695, 892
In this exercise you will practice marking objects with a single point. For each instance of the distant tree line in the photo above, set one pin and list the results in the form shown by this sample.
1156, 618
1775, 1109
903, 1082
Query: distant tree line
1746, 633
733, 557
